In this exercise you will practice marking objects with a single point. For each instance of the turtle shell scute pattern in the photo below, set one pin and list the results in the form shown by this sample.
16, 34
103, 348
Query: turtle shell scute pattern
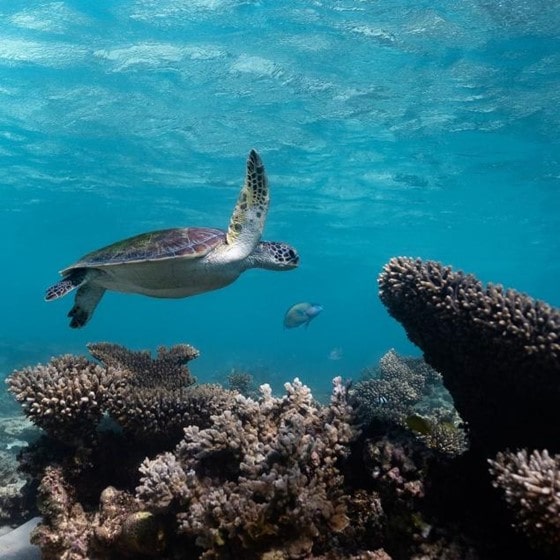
157, 245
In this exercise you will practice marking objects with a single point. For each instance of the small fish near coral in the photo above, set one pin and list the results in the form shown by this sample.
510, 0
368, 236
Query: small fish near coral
180, 262
335, 354
301, 314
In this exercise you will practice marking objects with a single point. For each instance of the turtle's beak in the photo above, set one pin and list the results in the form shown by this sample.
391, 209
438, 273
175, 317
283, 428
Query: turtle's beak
293, 258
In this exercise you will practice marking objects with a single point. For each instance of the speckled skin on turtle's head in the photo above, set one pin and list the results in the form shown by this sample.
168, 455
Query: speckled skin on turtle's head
180, 262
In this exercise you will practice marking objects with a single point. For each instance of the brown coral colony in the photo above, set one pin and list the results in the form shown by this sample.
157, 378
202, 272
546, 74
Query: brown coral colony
141, 461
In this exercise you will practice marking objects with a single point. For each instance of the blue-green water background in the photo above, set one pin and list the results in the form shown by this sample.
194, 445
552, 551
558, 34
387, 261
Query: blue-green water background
398, 127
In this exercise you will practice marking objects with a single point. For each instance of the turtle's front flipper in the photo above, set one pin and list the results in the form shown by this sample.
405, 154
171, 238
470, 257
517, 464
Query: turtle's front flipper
70, 282
247, 221
87, 298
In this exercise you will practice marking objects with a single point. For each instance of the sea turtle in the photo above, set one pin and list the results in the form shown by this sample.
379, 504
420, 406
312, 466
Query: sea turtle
180, 262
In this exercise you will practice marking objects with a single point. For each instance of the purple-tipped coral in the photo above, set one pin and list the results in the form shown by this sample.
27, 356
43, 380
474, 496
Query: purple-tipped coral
498, 350
65, 397
531, 486
265, 476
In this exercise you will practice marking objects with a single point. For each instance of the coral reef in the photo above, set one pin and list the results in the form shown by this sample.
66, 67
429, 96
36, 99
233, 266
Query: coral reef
242, 382
154, 398
150, 398
168, 369
60, 509
174, 470
391, 392
261, 477
531, 486
64, 397
72, 531
402, 387
498, 350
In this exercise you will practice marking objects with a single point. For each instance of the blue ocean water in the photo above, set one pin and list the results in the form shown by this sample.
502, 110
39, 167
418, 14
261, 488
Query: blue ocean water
400, 127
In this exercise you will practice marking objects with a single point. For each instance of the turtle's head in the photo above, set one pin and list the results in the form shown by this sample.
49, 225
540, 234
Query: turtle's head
273, 255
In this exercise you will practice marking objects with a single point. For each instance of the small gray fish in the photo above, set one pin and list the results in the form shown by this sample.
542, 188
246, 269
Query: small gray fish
335, 354
301, 314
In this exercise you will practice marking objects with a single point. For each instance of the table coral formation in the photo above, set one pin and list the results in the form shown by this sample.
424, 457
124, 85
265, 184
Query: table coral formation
155, 397
168, 368
498, 350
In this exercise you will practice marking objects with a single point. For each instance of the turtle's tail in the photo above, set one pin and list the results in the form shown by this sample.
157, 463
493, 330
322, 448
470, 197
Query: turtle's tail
74, 280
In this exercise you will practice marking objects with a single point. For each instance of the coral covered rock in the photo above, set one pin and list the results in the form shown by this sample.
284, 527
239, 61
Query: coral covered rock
401, 388
66, 530
160, 414
531, 486
498, 350
265, 474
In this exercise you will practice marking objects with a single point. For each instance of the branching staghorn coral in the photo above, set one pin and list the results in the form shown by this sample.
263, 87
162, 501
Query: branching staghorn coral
265, 474
531, 486
497, 350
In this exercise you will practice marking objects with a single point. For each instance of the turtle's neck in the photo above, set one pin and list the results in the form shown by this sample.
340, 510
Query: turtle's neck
272, 255
261, 258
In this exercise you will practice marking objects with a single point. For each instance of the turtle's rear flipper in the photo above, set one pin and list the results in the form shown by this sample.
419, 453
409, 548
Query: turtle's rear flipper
74, 280
87, 298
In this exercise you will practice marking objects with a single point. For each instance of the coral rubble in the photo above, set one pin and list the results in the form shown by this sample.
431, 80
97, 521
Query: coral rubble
498, 350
